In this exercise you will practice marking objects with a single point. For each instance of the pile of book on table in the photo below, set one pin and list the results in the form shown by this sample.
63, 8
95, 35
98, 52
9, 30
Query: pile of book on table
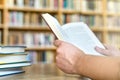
12, 59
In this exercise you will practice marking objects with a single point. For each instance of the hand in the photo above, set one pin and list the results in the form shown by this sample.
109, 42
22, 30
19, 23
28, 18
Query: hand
109, 51
67, 56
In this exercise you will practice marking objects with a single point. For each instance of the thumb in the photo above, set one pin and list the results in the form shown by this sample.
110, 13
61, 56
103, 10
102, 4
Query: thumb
102, 51
57, 43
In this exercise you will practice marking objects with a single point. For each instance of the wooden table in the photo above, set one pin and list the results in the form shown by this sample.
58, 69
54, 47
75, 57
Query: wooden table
42, 72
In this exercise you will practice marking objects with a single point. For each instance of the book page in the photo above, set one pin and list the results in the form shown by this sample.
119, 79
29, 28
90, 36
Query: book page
55, 27
82, 37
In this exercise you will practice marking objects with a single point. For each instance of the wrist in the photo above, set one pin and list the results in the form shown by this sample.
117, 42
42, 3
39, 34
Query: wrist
79, 64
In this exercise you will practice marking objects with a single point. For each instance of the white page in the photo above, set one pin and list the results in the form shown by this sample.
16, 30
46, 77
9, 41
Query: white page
55, 27
82, 37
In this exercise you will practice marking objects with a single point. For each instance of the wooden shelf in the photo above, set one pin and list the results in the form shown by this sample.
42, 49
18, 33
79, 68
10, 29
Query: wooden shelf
81, 12
28, 9
97, 29
113, 14
91, 13
114, 29
71, 11
24, 28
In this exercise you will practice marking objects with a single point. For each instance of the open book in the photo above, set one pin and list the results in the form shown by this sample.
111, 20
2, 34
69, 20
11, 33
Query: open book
77, 33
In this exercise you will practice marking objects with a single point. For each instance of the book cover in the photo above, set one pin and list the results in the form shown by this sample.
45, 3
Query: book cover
76, 33
11, 49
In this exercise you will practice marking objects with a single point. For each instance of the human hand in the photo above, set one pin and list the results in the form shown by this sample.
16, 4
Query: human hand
67, 56
108, 51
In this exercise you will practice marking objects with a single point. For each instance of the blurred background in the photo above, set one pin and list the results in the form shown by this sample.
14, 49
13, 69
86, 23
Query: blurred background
21, 23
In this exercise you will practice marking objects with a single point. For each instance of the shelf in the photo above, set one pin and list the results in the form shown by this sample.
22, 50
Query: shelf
81, 12
97, 29
24, 28
91, 13
70, 11
28, 9
113, 14
114, 29
41, 49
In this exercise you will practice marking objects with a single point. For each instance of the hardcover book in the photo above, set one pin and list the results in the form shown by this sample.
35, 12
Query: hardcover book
10, 71
12, 49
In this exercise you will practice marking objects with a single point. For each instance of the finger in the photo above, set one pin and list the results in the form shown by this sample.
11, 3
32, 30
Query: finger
57, 43
102, 51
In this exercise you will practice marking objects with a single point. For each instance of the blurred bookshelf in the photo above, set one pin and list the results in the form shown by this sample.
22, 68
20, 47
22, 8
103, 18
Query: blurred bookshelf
21, 22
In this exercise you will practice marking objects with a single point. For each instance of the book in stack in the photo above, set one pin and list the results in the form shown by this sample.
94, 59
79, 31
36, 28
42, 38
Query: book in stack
12, 59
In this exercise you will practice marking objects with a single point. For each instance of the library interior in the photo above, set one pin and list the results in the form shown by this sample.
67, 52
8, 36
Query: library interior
33, 51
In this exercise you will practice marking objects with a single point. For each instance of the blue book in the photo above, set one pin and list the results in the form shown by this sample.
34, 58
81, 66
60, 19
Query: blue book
10, 71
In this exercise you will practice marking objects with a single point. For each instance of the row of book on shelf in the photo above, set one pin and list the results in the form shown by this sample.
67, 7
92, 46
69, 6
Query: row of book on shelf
46, 39
53, 4
13, 59
38, 4
90, 20
85, 5
20, 19
31, 39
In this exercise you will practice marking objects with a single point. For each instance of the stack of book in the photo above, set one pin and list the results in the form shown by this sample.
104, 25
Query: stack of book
12, 59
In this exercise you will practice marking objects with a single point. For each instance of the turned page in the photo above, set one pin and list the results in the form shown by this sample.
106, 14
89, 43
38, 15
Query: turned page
82, 37
55, 27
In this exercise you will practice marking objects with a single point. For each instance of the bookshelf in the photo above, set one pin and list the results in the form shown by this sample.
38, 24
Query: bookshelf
21, 24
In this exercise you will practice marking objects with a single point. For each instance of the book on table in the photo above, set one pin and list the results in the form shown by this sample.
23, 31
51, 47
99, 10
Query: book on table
15, 65
11, 71
76, 33
12, 59
12, 49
